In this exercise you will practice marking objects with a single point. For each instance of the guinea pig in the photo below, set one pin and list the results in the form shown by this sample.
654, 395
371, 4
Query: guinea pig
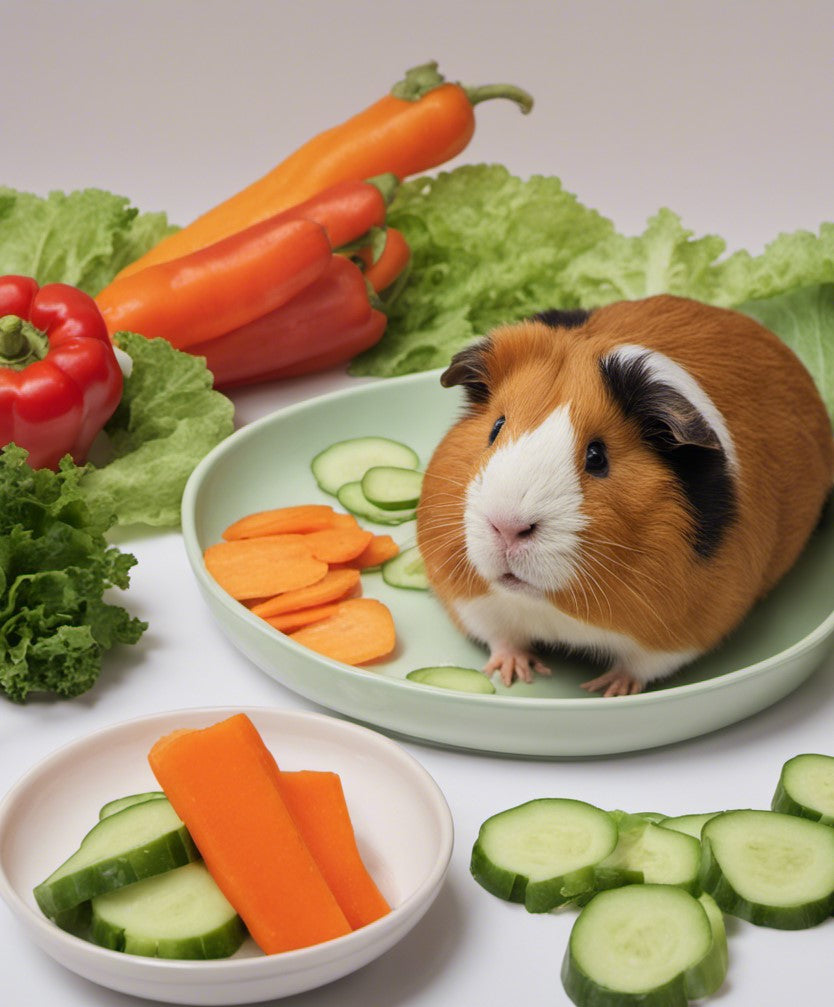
627, 481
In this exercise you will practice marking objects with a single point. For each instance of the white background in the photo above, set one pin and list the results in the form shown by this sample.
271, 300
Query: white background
721, 111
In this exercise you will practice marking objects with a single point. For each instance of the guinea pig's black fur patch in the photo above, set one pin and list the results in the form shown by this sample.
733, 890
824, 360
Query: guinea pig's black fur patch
683, 439
469, 369
559, 318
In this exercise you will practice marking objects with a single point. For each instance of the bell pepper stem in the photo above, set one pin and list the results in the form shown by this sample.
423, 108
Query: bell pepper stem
419, 80
21, 343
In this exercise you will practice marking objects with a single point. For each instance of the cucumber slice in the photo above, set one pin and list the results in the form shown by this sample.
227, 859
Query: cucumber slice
542, 853
447, 676
690, 825
772, 869
806, 788
347, 461
392, 488
647, 852
179, 914
126, 802
132, 844
408, 570
650, 945
352, 498
714, 967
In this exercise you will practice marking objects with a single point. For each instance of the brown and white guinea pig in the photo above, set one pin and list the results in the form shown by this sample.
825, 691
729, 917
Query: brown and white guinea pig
627, 481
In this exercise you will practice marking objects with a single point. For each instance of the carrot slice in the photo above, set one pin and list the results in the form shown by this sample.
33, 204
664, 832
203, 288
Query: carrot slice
316, 800
221, 782
338, 545
377, 551
300, 519
361, 630
261, 567
334, 585
288, 622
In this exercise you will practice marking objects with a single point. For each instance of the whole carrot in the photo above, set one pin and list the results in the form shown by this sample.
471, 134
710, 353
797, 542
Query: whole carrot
218, 288
421, 123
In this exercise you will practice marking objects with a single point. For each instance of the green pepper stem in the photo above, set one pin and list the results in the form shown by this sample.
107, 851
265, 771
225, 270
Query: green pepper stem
387, 183
419, 80
21, 343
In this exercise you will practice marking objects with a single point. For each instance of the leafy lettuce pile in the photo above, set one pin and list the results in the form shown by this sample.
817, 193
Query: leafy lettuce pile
488, 248
55, 566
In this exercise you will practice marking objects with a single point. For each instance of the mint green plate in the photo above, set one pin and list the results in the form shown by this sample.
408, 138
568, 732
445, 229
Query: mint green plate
267, 464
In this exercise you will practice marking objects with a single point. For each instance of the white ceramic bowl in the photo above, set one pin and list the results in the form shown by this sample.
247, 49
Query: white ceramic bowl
402, 823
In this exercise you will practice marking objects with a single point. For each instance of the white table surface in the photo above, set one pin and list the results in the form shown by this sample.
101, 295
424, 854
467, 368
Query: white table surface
721, 111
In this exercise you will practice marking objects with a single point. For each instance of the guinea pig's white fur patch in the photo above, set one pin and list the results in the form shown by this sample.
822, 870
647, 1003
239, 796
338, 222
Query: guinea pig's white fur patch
665, 370
531, 480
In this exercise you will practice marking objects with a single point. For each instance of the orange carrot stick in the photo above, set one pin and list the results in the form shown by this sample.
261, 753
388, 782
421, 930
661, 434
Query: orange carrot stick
300, 519
361, 630
289, 622
317, 803
220, 783
333, 586
262, 567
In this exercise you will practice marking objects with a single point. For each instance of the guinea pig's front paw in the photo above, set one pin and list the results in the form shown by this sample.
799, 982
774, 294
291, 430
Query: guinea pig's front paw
617, 681
514, 664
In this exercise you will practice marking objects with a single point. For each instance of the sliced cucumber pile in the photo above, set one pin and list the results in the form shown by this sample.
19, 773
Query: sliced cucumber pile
137, 884
406, 569
375, 478
652, 889
135, 843
179, 914
806, 788
448, 676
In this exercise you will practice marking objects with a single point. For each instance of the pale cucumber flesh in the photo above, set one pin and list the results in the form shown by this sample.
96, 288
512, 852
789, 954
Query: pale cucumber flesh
392, 488
454, 678
640, 944
654, 854
138, 842
772, 869
179, 914
347, 461
407, 570
542, 853
690, 825
806, 788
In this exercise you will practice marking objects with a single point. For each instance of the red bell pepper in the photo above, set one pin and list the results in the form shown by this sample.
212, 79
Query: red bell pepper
59, 378
332, 319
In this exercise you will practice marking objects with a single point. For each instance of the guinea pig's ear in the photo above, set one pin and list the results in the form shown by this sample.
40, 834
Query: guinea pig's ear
562, 318
681, 423
469, 369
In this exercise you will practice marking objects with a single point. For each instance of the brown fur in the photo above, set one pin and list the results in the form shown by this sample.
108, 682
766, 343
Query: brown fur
641, 575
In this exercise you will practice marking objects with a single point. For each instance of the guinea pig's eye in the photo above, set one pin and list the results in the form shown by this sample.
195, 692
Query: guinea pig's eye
496, 428
596, 459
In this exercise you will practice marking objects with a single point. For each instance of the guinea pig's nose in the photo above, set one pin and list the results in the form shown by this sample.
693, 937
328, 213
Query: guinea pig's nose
511, 531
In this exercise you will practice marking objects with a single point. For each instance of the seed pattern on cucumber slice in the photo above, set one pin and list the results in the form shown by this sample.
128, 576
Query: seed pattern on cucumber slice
454, 678
647, 945
542, 853
179, 914
772, 869
806, 788
347, 461
135, 843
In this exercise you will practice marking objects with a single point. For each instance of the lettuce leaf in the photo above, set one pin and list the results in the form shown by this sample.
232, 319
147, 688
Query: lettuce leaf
83, 238
55, 566
168, 419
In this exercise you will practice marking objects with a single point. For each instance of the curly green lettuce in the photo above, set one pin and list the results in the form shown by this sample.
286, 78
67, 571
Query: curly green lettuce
55, 567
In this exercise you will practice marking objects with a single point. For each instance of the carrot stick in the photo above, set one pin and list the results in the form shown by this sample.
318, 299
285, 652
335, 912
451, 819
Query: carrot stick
262, 567
333, 586
396, 255
289, 622
221, 287
361, 630
279, 520
220, 781
316, 802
